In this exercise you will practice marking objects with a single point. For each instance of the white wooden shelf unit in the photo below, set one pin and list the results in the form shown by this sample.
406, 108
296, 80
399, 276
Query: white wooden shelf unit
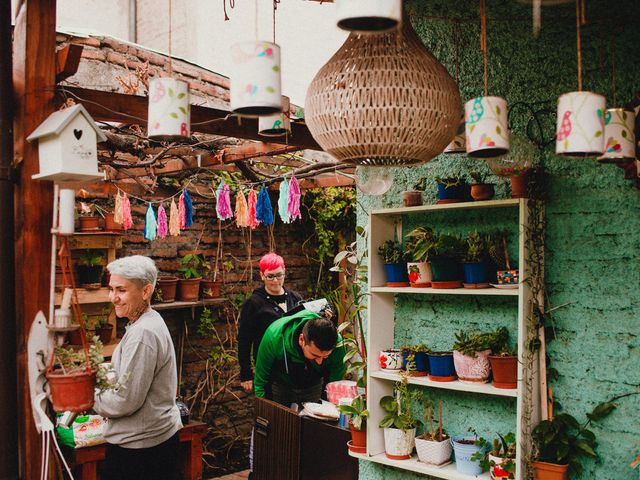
385, 225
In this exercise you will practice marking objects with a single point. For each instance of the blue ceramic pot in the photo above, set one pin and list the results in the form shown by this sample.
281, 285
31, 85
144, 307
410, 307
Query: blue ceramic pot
459, 192
397, 273
441, 364
475, 272
420, 359
445, 269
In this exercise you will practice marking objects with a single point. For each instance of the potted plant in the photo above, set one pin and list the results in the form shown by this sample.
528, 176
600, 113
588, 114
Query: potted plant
89, 216
90, 269
419, 246
501, 459
504, 363
110, 224
434, 445
562, 442
445, 262
474, 266
390, 360
413, 198
471, 352
191, 265
166, 287
211, 283
441, 368
480, 190
415, 363
358, 415
469, 451
399, 423
451, 189
395, 263
104, 329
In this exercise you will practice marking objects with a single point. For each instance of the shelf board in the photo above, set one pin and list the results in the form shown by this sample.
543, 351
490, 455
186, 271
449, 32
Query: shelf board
99, 295
448, 471
483, 388
449, 291
197, 303
509, 202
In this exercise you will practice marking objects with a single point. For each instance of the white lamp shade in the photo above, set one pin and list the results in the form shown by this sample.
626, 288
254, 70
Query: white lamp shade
580, 124
255, 78
619, 137
369, 15
66, 211
486, 127
458, 144
169, 111
276, 125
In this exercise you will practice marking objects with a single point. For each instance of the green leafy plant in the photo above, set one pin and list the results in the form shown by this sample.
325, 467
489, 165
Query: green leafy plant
192, 265
420, 243
391, 252
478, 178
448, 182
476, 247
398, 408
357, 411
469, 344
90, 258
437, 434
495, 243
448, 246
563, 440
421, 184
505, 448
88, 209
206, 325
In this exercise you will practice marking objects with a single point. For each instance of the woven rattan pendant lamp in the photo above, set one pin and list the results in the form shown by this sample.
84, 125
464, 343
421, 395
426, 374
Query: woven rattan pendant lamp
383, 99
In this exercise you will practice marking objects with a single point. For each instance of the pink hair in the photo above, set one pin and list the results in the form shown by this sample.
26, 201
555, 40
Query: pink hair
271, 261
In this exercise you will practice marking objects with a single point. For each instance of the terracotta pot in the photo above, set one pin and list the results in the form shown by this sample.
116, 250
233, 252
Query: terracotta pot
505, 371
88, 224
105, 333
412, 198
110, 225
188, 289
358, 437
482, 191
472, 369
72, 392
550, 471
519, 186
167, 286
210, 289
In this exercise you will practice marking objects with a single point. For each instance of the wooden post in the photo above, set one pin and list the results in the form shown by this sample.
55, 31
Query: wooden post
34, 72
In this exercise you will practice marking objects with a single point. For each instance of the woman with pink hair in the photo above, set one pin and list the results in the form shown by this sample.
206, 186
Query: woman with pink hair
265, 305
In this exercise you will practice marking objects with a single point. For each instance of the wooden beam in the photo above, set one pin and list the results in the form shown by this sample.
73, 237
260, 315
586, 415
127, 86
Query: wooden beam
119, 107
67, 61
34, 74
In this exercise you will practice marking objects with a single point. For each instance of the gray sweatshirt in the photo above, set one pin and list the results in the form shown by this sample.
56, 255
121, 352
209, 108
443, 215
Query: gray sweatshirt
144, 414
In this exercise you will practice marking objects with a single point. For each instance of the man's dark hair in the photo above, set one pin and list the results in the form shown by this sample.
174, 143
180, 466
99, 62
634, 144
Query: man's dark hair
322, 332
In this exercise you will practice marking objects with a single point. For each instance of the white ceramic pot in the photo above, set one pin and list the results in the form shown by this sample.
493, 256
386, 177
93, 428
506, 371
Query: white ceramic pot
432, 452
419, 274
368, 15
169, 115
472, 369
486, 127
580, 124
390, 360
619, 135
398, 444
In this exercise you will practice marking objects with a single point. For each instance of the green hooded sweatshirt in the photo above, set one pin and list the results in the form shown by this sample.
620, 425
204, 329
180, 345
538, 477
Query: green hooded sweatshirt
280, 351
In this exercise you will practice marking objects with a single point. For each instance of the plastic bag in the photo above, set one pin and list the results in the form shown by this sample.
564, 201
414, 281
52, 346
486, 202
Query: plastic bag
84, 431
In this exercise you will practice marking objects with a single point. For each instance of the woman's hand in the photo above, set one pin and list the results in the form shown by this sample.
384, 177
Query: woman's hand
247, 386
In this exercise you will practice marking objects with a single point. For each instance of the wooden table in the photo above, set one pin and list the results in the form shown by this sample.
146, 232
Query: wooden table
85, 460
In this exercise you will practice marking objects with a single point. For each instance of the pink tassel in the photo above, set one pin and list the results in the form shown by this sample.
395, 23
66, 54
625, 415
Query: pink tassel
163, 226
182, 212
117, 211
223, 202
127, 221
253, 200
174, 219
293, 206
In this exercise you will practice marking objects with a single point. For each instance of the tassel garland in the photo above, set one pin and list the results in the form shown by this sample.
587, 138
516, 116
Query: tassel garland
150, 224
117, 211
253, 221
163, 227
223, 202
174, 219
188, 209
242, 210
182, 215
264, 211
293, 206
127, 221
283, 201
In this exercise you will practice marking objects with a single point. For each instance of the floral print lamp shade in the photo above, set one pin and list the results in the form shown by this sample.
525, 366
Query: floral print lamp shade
580, 124
619, 136
169, 114
255, 78
369, 15
486, 127
278, 124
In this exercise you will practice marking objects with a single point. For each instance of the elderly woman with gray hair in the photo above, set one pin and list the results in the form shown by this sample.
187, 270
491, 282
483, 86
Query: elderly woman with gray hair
142, 417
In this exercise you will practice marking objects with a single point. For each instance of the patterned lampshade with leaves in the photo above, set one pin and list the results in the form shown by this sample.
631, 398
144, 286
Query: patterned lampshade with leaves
486, 127
619, 137
169, 114
580, 124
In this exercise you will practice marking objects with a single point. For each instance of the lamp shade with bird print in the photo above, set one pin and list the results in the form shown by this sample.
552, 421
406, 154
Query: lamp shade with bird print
486, 127
580, 124
619, 136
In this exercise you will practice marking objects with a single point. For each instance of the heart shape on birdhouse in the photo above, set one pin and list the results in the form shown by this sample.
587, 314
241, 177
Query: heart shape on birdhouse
77, 133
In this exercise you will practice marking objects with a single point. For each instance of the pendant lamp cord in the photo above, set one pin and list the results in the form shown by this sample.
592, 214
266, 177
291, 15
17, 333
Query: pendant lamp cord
275, 7
613, 69
580, 20
483, 42
170, 56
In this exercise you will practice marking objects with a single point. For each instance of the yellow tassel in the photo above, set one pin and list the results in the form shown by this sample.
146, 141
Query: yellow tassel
117, 211
242, 210
174, 219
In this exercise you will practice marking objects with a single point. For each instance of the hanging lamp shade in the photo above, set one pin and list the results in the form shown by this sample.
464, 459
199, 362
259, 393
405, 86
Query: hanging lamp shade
169, 115
458, 144
580, 124
255, 78
276, 125
486, 127
383, 99
619, 137
369, 15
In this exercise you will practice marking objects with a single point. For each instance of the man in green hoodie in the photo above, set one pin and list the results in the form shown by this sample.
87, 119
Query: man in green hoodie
298, 357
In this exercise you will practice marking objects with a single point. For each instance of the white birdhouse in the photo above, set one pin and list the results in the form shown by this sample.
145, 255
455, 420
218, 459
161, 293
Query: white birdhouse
67, 146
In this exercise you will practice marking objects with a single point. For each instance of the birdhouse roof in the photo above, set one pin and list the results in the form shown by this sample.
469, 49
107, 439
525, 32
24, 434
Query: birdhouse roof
58, 121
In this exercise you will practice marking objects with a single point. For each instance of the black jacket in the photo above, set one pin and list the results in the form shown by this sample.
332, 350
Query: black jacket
258, 312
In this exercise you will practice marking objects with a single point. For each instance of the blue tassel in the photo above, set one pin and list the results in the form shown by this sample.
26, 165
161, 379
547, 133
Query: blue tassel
150, 224
264, 211
188, 209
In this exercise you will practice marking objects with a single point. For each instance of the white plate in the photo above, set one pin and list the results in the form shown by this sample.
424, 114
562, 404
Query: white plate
505, 286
